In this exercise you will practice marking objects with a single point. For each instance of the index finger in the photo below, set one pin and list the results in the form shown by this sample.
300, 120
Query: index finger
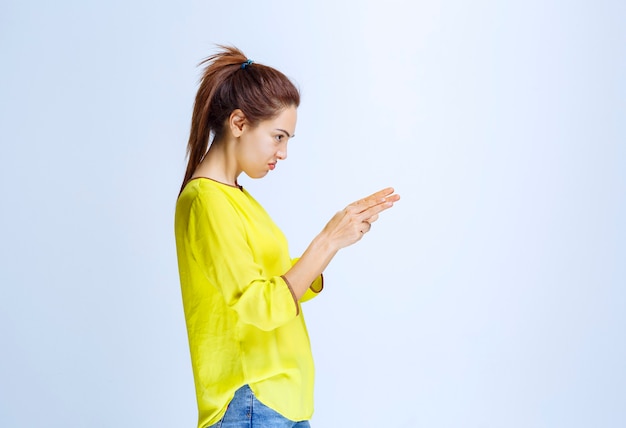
375, 198
371, 213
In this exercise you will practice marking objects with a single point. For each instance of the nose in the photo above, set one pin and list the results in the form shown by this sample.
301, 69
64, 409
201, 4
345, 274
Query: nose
282, 154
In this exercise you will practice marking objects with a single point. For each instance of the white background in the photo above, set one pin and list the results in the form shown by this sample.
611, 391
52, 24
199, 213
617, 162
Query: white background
492, 295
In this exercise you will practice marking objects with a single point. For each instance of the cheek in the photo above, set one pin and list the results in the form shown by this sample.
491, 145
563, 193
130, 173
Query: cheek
258, 149
255, 155
263, 149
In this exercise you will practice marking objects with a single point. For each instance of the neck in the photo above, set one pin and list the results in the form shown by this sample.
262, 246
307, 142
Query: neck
219, 164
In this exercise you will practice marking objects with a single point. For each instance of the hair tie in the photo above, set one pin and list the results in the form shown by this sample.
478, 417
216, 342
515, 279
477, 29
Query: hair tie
247, 63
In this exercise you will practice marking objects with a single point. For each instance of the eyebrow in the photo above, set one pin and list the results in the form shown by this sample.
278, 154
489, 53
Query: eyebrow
288, 134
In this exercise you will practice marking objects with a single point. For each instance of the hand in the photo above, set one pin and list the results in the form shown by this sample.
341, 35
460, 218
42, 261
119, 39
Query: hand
345, 228
350, 224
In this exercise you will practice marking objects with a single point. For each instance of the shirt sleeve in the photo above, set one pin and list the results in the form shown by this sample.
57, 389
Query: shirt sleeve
220, 248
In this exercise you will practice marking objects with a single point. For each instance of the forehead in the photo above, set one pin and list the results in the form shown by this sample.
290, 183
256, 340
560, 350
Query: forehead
286, 119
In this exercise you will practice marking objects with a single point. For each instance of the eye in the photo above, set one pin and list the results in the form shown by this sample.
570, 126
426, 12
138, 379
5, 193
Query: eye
279, 137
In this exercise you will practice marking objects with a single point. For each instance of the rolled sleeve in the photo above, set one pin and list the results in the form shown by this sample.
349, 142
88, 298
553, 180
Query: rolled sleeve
219, 245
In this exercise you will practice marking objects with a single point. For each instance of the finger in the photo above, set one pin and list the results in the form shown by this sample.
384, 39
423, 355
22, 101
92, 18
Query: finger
372, 219
374, 211
375, 198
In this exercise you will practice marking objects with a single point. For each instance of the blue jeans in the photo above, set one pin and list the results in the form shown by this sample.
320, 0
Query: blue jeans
245, 411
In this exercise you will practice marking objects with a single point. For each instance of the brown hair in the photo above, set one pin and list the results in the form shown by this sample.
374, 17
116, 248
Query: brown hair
261, 92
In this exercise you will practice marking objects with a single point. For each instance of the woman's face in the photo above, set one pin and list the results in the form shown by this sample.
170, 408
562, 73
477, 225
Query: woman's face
260, 147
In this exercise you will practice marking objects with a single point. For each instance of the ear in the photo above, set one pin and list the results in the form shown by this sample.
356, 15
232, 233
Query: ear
236, 122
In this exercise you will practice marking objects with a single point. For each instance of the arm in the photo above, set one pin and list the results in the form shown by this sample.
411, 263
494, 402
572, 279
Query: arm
222, 257
345, 228
314, 289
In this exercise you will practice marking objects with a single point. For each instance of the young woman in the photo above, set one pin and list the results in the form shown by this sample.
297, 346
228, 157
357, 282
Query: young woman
242, 291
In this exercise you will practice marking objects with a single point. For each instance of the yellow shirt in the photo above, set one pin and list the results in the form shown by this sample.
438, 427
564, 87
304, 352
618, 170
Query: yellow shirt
243, 322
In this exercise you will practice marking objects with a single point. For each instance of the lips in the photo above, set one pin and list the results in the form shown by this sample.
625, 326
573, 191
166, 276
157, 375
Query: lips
272, 166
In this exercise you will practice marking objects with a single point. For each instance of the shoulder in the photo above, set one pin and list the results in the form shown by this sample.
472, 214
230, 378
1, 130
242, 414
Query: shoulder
202, 192
206, 198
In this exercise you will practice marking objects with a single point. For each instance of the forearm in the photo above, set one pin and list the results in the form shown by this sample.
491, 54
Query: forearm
310, 265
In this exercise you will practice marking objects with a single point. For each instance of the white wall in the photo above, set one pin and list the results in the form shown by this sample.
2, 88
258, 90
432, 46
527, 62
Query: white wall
492, 295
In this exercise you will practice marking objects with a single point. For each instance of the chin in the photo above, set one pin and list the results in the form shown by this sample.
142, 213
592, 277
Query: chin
257, 175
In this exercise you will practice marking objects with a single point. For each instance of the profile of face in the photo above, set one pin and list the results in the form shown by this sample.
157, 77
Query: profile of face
259, 147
